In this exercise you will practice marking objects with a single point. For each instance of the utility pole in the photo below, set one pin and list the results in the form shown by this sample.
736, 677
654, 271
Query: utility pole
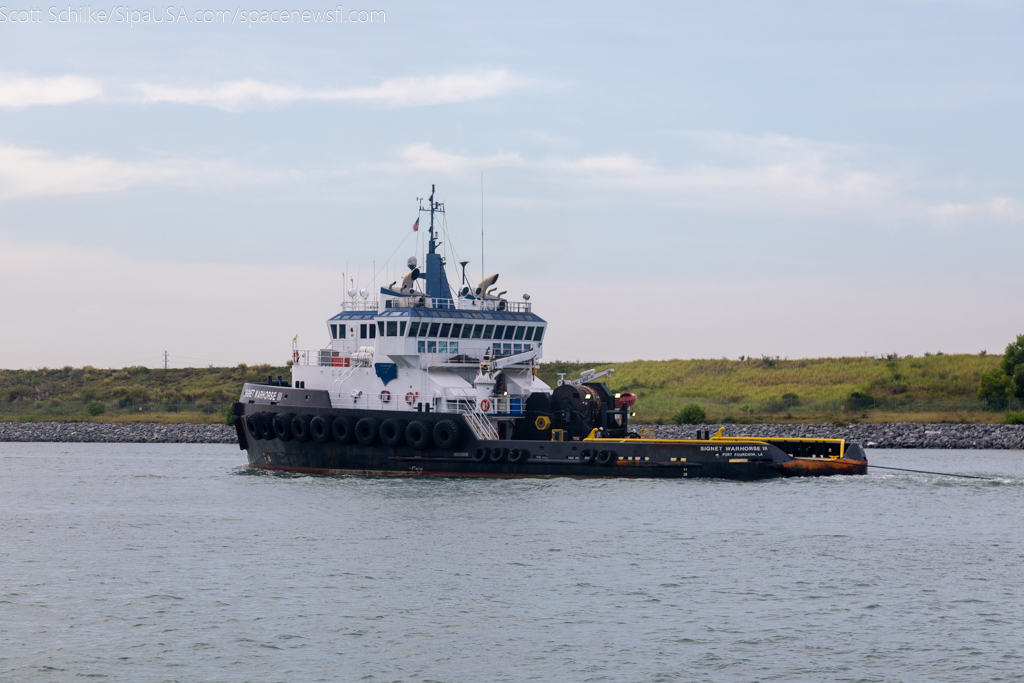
165, 360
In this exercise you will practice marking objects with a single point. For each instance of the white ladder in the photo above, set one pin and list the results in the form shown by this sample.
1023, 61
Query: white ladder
481, 425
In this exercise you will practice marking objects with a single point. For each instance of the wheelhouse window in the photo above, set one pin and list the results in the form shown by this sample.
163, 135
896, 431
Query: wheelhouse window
380, 324
456, 331
414, 328
498, 331
401, 328
509, 331
519, 332
334, 331
488, 329
424, 326
362, 331
434, 327
529, 333
392, 326
341, 331
445, 329
538, 333
477, 330
373, 331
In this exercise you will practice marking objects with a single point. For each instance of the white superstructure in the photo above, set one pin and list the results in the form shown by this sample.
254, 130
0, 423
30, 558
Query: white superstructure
419, 348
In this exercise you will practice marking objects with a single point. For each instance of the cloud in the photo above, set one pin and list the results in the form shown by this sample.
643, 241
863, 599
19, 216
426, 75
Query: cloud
751, 175
39, 173
999, 208
423, 157
16, 93
399, 92
769, 171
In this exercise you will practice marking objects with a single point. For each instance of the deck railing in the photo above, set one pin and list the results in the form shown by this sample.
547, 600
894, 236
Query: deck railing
460, 304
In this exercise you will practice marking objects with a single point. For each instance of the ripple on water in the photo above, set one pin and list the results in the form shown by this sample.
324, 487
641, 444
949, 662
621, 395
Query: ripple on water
173, 562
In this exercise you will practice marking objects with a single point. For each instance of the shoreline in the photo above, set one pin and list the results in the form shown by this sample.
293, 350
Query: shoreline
884, 435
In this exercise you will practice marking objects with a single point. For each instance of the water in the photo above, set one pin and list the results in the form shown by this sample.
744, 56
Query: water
170, 563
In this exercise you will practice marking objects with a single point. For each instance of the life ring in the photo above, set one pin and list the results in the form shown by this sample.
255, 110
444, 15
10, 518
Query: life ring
295, 356
385, 396
485, 405
410, 398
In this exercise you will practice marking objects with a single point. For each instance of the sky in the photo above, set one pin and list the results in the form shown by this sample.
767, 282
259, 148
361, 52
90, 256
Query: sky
665, 180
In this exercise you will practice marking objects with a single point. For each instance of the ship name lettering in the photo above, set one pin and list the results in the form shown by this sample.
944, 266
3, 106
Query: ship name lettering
272, 395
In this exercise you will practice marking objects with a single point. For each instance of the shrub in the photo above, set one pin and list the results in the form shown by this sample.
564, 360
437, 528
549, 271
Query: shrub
1014, 355
691, 414
1014, 419
729, 419
229, 416
96, 408
994, 384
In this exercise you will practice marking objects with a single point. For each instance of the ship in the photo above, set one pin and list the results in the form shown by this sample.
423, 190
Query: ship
426, 380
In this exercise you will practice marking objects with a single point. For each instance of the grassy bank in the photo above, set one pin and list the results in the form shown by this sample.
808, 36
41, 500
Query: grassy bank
135, 394
931, 388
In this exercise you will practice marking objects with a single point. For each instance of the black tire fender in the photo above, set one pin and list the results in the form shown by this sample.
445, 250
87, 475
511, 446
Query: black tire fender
283, 426
300, 428
479, 455
586, 456
606, 458
392, 432
320, 428
266, 425
497, 454
518, 455
252, 427
367, 430
344, 430
417, 435
446, 435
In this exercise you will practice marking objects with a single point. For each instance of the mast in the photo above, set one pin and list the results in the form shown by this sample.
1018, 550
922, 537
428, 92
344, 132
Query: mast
437, 280
433, 244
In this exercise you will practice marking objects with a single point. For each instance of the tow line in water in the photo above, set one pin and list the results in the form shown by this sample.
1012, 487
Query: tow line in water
943, 474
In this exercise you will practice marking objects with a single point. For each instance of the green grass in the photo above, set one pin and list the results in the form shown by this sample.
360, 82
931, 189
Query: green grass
932, 388
134, 394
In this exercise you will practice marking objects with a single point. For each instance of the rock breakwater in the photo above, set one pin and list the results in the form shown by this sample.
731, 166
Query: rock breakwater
95, 432
893, 435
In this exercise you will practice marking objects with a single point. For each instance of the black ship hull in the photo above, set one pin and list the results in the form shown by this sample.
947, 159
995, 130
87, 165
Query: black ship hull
362, 451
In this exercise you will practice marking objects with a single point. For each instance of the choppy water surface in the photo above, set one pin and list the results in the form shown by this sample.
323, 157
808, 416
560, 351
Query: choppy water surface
169, 563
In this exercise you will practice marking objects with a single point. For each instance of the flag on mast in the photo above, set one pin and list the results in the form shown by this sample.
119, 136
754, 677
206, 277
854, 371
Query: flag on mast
416, 225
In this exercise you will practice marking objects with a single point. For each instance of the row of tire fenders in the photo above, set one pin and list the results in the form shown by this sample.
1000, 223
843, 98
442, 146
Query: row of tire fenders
444, 434
520, 455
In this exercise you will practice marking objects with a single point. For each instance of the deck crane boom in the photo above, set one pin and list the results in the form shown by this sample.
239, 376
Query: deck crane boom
585, 377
